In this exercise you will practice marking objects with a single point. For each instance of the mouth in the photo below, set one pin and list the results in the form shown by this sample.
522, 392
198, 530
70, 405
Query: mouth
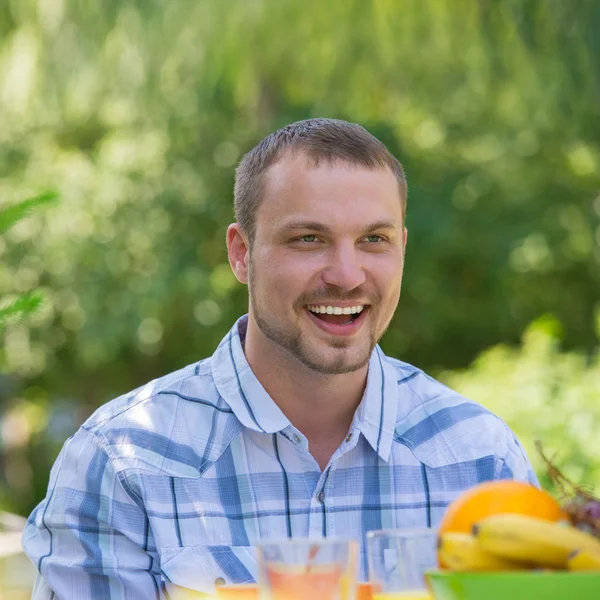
338, 320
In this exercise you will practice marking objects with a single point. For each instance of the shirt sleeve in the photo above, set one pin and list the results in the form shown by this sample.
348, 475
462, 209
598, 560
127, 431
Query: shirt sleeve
90, 537
515, 464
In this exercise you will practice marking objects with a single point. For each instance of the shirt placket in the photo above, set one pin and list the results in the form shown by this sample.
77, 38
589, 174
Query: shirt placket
322, 502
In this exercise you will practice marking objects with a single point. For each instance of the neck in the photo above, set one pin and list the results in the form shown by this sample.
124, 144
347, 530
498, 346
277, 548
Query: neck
321, 406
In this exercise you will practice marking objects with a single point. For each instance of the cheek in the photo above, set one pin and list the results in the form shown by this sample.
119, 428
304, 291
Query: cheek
281, 280
387, 276
288, 270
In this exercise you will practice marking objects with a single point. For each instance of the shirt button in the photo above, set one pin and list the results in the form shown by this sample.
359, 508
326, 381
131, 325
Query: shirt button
321, 497
219, 581
348, 437
297, 439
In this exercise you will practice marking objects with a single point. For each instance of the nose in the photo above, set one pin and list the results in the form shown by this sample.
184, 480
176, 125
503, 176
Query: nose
344, 269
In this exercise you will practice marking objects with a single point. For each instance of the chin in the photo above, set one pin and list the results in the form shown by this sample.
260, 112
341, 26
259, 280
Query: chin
336, 362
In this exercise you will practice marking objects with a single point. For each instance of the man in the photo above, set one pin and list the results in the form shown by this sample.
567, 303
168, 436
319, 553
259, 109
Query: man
298, 425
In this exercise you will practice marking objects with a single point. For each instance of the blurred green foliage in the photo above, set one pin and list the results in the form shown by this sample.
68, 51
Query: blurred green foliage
544, 395
137, 112
16, 307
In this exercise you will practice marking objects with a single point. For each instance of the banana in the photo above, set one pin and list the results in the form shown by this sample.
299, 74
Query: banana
461, 552
584, 560
530, 540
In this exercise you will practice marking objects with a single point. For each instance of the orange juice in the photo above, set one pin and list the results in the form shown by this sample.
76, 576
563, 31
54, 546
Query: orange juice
322, 582
406, 595
364, 591
242, 591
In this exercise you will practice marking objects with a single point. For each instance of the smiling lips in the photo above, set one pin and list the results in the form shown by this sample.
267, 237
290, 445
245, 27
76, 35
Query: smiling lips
335, 310
337, 320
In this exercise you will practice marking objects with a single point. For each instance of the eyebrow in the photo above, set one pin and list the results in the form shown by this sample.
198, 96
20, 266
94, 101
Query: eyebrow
322, 228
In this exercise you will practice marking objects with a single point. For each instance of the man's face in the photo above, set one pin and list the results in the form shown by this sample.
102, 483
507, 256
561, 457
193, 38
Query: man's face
328, 239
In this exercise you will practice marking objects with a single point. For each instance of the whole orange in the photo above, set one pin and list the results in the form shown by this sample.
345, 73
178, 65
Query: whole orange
498, 497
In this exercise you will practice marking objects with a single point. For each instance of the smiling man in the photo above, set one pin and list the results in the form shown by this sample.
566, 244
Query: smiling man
298, 425
320, 241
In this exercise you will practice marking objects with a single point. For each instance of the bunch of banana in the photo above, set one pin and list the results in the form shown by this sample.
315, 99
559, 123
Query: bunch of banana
511, 542
584, 560
462, 552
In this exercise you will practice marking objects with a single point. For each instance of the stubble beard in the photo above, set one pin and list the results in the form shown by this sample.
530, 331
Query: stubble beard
292, 340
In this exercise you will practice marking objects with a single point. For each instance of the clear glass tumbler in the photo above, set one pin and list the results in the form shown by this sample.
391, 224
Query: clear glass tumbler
303, 569
398, 561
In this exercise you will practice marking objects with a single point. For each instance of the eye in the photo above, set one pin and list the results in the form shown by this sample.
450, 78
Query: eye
309, 239
372, 239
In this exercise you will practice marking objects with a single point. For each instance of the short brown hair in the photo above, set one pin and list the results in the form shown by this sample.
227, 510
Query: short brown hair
320, 139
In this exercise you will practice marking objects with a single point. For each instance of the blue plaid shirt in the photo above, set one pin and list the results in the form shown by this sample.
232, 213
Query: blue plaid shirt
172, 484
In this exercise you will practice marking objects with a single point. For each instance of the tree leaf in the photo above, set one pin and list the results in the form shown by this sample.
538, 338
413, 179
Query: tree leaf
21, 307
13, 214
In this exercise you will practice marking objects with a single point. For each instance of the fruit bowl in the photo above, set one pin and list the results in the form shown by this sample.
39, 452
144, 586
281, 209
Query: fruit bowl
517, 585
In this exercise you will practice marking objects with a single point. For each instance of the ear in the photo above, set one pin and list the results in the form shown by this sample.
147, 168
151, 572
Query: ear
237, 251
405, 238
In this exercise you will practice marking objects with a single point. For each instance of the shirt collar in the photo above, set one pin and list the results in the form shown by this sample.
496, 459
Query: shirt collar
240, 388
255, 409
376, 414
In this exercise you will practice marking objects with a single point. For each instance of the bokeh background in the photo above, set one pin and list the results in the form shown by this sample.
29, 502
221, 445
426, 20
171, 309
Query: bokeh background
136, 113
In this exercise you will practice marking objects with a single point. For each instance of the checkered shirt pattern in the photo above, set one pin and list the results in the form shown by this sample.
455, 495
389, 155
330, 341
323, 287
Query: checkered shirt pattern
170, 486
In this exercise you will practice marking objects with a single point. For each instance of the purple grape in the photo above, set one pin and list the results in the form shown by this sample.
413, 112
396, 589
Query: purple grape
591, 510
584, 513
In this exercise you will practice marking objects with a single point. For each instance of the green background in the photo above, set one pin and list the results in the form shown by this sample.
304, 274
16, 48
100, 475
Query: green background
137, 113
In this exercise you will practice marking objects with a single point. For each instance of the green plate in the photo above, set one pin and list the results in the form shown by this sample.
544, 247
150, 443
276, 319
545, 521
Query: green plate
525, 585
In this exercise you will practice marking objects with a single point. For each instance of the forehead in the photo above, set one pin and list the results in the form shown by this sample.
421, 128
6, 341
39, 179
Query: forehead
335, 193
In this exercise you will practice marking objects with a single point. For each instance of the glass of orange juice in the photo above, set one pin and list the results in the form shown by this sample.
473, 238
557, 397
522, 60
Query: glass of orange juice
364, 591
398, 561
303, 569
238, 591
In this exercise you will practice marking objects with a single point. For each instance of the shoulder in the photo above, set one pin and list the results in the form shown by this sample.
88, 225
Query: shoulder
440, 425
158, 398
176, 424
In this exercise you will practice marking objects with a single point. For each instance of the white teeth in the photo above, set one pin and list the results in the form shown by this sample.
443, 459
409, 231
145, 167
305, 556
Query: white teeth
336, 310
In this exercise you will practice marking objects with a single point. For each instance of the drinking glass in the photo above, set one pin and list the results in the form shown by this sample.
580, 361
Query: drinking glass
303, 569
238, 591
364, 591
398, 560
